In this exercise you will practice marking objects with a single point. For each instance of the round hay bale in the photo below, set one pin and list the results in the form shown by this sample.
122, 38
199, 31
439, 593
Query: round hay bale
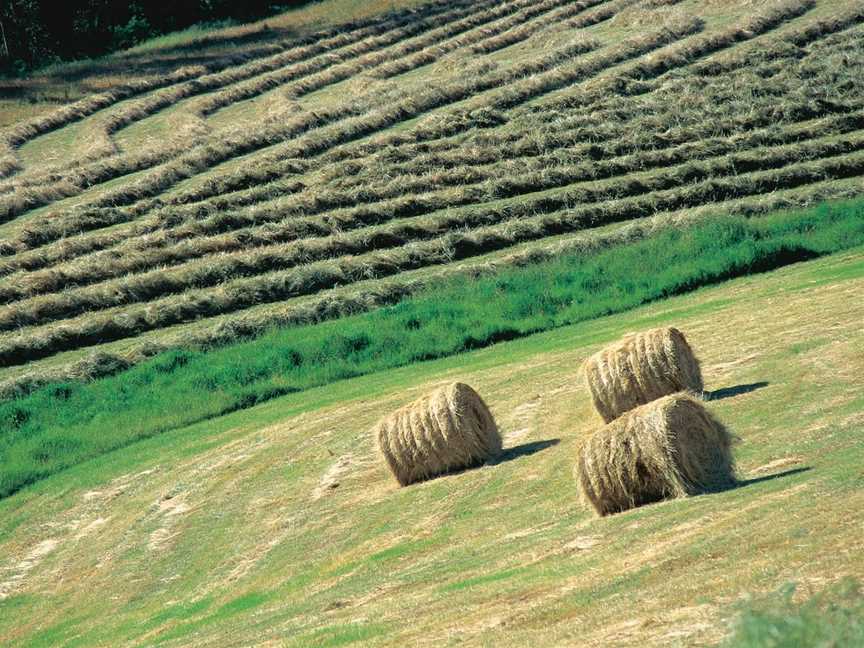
448, 429
671, 447
640, 368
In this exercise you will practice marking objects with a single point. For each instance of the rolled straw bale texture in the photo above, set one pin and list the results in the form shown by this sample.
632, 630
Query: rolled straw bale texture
639, 369
448, 429
671, 447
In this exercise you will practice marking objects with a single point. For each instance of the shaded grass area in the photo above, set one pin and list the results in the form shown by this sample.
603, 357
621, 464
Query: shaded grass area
832, 618
62, 425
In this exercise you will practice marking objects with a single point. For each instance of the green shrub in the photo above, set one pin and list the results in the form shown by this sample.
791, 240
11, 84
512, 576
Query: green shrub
832, 619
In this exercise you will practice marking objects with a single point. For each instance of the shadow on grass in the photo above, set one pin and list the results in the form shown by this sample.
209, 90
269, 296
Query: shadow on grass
508, 454
743, 483
758, 480
524, 450
737, 390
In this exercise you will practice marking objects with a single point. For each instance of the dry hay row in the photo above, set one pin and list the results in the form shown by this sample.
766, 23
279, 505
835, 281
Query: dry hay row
526, 81
241, 325
458, 91
228, 146
781, 64
218, 100
796, 39
679, 54
507, 179
609, 12
365, 54
68, 180
675, 55
161, 175
254, 87
233, 68
762, 23
14, 136
77, 245
328, 305
305, 60
707, 44
121, 117
346, 130
568, 163
304, 280
433, 44
227, 266
368, 295
521, 32
755, 29
506, 182
603, 135
439, 39
174, 241
664, 61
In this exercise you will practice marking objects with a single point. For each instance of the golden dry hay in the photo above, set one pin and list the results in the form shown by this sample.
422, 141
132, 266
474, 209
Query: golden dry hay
671, 447
639, 369
448, 429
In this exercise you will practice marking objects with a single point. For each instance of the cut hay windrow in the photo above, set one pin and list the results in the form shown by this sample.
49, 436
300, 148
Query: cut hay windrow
160, 245
17, 135
344, 128
640, 368
680, 55
305, 240
325, 193
231, 69
365, 39
783, 7
401, 246
540, 18
447, 430
522, 88
351, 298
425, 48
334, 66
671, 447
347, 129
115, 324
804, 111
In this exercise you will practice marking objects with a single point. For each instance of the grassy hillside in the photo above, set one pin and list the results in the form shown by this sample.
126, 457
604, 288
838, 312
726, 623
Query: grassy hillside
58, 426
225, 254
314, 169
278, 525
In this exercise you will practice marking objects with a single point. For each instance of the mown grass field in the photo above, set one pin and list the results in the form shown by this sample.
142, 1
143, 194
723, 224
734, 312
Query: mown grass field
230, 194
228, 253
277, 525
63, 424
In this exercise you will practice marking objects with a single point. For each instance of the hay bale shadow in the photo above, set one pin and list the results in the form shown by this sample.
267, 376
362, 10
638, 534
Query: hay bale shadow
523, 450
737, 390
742, 483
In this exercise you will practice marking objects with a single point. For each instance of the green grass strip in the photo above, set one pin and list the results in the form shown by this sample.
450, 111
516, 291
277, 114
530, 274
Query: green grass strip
62, 425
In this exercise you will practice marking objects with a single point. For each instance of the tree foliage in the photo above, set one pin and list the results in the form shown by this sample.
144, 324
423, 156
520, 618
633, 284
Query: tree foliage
38, 32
